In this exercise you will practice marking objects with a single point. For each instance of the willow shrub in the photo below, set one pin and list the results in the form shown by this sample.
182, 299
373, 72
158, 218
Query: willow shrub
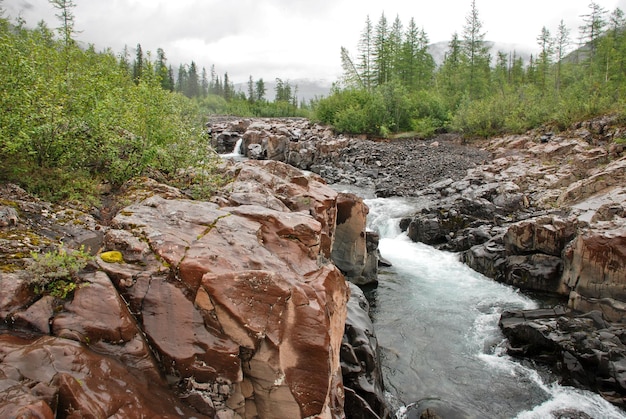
72, 117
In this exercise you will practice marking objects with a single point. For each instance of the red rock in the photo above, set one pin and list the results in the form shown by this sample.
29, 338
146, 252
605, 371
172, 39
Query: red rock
595, 272
176, 329
88, 384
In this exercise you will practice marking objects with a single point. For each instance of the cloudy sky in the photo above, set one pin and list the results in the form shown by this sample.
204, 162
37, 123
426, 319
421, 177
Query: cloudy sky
292, 39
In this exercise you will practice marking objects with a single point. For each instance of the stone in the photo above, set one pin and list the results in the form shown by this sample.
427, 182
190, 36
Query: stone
350, 249
595, 268
585, 355
87, 383
360, 362
547, 235
8, 216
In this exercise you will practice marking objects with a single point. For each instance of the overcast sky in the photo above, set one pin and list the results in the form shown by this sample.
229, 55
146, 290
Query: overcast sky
292, 39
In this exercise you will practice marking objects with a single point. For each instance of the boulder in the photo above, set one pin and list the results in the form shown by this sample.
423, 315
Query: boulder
360, 362
586, 350
75, 381
351, 253
545, 234
595, 272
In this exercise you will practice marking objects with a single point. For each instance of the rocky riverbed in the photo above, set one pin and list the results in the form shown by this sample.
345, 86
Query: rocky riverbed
152, 330
544, 211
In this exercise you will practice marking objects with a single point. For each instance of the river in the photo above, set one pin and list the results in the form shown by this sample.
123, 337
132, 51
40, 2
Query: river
437, 325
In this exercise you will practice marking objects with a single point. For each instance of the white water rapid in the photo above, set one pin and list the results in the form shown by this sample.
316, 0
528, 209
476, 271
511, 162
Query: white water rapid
236, 153
437, 325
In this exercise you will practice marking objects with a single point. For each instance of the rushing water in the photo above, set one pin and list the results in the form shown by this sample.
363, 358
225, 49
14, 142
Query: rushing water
437, 324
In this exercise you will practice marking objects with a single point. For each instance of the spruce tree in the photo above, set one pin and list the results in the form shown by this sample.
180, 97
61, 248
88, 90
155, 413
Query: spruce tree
365, 61
561, 42
138, 65
475, 53
193, 81
260, 90
382, 56
544, 60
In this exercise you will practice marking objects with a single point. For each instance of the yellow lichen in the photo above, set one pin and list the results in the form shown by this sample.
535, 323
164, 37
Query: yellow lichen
113, 256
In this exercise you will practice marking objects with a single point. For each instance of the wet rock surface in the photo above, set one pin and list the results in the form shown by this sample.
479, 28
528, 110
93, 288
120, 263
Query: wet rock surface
231, 308
541, 211
588, 351
360, 362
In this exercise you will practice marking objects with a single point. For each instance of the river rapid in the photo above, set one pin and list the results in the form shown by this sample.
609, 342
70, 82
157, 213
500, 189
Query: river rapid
437, 326
441, 347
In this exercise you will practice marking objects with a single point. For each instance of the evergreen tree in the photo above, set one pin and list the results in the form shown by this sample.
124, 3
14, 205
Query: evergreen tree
365, 63
251, 92
170, 75
501, 72
161, 71
124, 62
395, 48
138, 65
382, 55
450, 72
181, 79
475, 53
516, 71
561, 42
229, 89
66, 17
351, 76
260, 90
593, 26
544, 60
611, 48
193, 81
205, 83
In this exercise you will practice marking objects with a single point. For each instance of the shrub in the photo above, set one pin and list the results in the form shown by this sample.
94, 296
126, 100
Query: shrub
56, 272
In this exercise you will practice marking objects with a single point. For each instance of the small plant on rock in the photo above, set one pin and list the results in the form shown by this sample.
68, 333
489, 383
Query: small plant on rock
56, 272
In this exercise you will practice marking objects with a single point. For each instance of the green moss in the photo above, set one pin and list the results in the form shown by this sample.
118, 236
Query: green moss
113, 256
9, 203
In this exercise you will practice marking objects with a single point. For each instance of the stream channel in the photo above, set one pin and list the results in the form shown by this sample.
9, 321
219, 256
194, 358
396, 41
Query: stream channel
437, 326
441, 347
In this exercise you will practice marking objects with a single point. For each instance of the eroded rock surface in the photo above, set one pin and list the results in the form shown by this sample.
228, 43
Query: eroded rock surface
231, 308
588, 351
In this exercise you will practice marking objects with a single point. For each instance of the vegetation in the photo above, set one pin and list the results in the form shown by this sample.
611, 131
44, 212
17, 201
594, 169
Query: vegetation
394, 85
56, 272
72, 118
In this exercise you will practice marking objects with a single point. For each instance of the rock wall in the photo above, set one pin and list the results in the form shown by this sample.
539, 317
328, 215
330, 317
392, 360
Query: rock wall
229, 308
546, 214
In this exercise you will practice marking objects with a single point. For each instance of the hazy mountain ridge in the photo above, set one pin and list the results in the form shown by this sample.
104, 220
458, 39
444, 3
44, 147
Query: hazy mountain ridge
307, 89
311, 88
438, 50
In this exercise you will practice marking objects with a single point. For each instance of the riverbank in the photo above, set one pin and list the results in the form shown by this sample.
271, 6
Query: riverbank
544, 211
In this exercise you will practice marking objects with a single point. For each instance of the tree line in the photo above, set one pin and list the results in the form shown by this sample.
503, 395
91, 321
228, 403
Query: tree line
393, 83
72, 118
215, 93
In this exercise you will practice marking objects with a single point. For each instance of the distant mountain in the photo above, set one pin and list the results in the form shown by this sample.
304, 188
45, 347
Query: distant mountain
307, 89
310, 89
438, 50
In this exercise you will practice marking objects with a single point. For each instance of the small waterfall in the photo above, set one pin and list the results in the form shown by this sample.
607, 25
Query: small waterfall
237, 151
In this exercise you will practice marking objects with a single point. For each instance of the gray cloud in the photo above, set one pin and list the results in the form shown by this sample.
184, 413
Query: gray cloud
287, 38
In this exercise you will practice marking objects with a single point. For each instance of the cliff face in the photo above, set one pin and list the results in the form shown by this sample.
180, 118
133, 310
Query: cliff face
231, 307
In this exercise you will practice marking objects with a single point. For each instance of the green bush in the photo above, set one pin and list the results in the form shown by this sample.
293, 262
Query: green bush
56, 272
72, 118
